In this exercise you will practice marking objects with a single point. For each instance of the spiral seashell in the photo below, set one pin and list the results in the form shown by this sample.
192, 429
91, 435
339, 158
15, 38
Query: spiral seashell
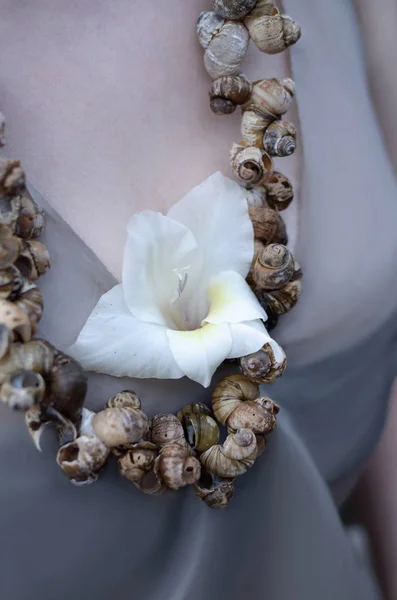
282, 300
227, 48
233, 9
268, 226
274, 267
208, 25
279, 191
200, 429
22, 389
230, 393
34, 259
227, 92
234, 457
271, 98
280, 139
10, 247
2, 130
82, 459
263, 366
12, 177
256, 196
16, 321
31, 302
253, 127
117, 427
176, 466
251, 165
166, 428
21, 214
215, 491
271, 33
11, 283
125, 399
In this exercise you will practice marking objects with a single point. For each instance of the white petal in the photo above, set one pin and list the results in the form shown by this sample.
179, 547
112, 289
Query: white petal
231, 300
156, 248
216, 212
200, 352
113, 342
250, 337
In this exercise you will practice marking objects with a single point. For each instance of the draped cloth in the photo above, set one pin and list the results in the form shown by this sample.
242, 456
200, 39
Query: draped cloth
281, 538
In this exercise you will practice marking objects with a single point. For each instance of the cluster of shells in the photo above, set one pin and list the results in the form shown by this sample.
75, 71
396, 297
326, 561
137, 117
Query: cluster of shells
224, 33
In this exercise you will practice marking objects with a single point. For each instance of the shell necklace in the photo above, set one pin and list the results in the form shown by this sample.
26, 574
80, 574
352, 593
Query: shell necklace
166, 451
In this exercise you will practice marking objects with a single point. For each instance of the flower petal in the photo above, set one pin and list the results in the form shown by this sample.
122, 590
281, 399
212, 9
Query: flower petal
199, 353
250, 337
113, 342
156, 248
231, 300
216, 212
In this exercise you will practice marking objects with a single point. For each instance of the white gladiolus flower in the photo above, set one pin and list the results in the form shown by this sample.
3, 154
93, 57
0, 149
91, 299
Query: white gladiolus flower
183, 306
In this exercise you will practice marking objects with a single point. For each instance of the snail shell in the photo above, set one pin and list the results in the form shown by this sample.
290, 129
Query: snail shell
262, 366
201, 431
22, 389
22, 215
280, 301
226, 50
274, 267
268, 226
251, 415
253, 126
208, 25
233, 9
255, 196
279, 191
10, 247
82, 459
234, 457
137, 461
230, 393
16, 321
251, 165
34, 259
166, 428
271, 33
125, 399
12, 177
271, 98
280, 139
215, 491
258, 247
120, 426
227, 92
176, 466
11, 283
31, 302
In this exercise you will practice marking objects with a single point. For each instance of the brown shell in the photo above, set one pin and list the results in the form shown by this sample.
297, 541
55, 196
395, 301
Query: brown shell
280, 139
22, 389
234, 457
12, 177
279, 191
11, 283
271, 98
176, 466
82, 459
16, 321
233, 9
215, 491
262, 366
229, 91
21, 214
250, 164
125, 399
166, 428
120, 426
282, 300
253, 127
269, 226
274, 267
230, 393
137, 461
201, 431
10, 247
251, 415
31, 302
34, 259
271, 33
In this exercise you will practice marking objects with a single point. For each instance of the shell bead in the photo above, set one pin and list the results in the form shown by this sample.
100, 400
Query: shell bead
271, 32
253, 127
177, 467
234, 457
280, 139
227, 92
22, 389
120, 426
226, 51
251, 165
268, 225
208, 25
262, 366
230, 393
271, 98
279, 191
125, 399
282, 300
166, 428
82, 459
215, 491
233, 9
